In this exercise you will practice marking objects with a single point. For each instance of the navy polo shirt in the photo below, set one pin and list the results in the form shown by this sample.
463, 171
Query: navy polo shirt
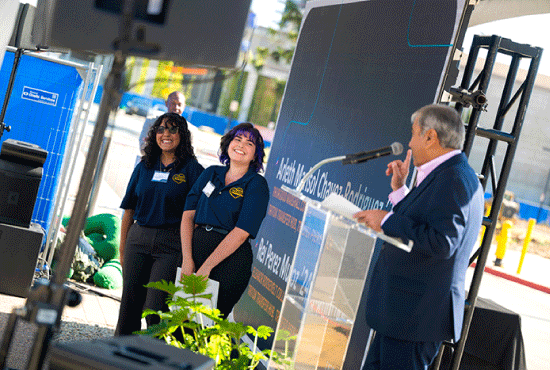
241, 204
160, 203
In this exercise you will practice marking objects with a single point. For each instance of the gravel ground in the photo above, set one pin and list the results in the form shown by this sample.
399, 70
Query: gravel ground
73, 331
23, 339
540, 237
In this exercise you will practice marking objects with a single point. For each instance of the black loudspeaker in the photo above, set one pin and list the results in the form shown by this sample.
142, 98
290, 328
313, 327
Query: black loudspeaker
20, 174
19, 249
193, 32
125, 353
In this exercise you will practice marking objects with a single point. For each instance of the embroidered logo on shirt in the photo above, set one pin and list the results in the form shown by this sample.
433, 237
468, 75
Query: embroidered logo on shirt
179, 178
236, 192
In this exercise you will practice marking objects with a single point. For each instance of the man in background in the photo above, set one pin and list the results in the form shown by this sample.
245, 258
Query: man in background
416, 300
175, 104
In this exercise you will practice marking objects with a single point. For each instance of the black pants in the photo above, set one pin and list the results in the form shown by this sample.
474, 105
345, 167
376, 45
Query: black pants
150, 255
233, 273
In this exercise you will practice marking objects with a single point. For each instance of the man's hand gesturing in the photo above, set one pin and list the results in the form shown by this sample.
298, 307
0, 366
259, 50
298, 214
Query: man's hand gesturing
399, 171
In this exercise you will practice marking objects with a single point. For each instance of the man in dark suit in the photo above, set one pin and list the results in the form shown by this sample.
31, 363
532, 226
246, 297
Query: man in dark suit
416, 300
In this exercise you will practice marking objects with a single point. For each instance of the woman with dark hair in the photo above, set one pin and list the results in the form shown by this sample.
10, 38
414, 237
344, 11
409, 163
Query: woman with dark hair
225, 209
150, 246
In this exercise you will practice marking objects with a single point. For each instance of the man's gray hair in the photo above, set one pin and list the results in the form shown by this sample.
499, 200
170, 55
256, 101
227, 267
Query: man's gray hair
445, 121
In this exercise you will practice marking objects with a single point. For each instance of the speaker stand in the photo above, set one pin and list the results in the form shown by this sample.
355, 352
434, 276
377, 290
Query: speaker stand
45, 304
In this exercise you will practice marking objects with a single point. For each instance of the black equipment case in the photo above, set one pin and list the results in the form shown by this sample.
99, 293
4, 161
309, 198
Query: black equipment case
132, 352
20, 174
24, 153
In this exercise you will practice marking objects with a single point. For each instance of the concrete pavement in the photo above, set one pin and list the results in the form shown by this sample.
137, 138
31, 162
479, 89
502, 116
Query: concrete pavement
535, 270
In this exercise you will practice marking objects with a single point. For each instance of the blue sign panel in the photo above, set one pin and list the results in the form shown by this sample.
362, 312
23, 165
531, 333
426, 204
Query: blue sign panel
39, 96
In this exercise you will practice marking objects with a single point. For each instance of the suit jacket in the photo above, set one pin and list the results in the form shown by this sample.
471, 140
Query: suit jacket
419, 296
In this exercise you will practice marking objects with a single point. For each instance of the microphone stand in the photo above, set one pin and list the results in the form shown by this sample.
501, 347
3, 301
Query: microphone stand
314, 168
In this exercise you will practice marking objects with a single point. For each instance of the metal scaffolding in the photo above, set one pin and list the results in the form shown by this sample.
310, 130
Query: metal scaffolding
473, 93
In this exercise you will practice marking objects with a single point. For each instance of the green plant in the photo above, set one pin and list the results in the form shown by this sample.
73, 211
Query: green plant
285, 358
183, 326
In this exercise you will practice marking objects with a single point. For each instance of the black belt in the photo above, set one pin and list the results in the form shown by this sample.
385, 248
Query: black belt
216, 229
161, 227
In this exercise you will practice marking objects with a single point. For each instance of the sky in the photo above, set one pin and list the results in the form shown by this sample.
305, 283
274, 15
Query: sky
268, 12
532, 30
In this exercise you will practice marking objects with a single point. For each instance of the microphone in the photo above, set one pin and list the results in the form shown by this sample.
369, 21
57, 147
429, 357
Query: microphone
395, 149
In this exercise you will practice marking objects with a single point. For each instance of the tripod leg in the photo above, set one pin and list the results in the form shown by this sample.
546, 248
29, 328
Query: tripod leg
8, 335
41, 347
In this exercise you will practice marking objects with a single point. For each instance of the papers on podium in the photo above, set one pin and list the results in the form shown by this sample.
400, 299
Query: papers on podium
344, 207
340, 205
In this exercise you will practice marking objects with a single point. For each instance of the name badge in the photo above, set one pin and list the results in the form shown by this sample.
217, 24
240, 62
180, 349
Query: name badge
160, 176
208, 189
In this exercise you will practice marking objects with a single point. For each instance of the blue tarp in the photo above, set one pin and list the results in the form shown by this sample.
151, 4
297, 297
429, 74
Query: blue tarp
527, 211
40, 111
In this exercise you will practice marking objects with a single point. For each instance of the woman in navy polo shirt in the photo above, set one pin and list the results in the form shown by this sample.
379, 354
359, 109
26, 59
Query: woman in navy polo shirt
225, 209
150, 246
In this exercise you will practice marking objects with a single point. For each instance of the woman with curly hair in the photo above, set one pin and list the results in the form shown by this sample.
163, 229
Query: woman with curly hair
150, 246
225, 209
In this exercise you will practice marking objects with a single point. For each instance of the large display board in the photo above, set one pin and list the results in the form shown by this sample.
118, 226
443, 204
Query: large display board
360, 69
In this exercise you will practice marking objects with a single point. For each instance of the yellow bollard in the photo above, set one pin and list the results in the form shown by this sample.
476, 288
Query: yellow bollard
526, 242
481, 235
502, 242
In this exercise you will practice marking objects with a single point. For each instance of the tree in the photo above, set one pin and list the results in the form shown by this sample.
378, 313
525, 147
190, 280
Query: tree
290, 26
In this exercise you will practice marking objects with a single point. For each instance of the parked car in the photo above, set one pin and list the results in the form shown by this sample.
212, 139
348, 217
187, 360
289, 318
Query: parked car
138, 106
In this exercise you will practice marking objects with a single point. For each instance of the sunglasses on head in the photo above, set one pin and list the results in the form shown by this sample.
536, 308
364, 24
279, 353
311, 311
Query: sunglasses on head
172, 129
